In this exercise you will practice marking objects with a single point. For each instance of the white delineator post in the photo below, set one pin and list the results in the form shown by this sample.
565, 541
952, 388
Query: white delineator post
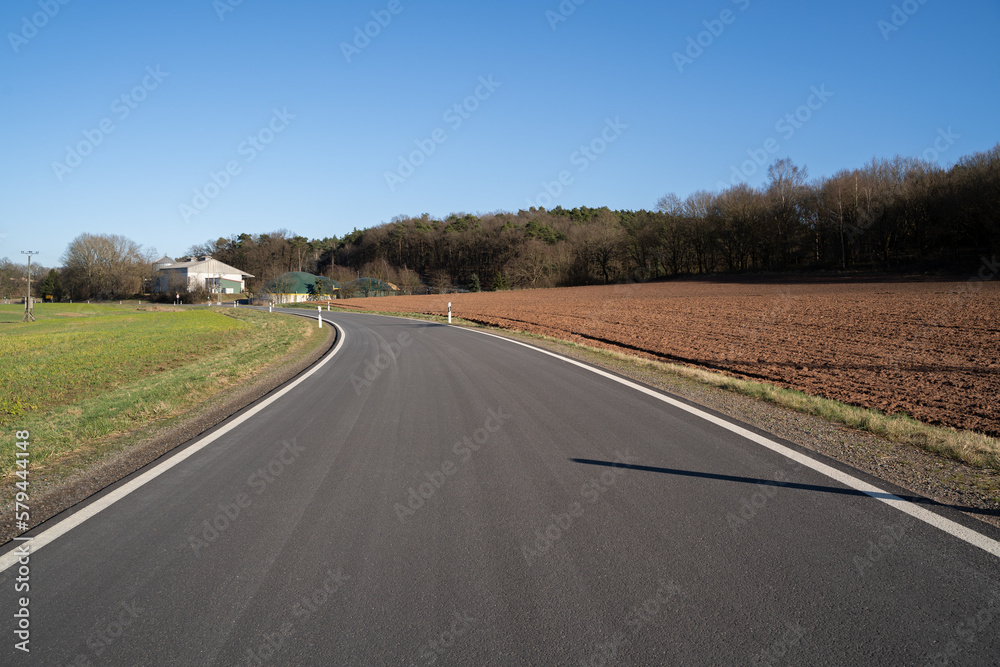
319, 315
449, 312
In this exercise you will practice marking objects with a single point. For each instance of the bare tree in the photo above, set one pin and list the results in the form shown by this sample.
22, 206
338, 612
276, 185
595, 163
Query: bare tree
785, 196
409, 281
533, 267
600, 246
12, 279
278, 288
106, 266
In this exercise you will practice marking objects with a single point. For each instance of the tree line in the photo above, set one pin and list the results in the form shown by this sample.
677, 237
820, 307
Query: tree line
95, 266
14, 279
45, 283
898, 214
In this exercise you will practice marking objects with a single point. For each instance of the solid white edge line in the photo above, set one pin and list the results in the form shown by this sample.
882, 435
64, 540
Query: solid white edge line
69, 523
947, 525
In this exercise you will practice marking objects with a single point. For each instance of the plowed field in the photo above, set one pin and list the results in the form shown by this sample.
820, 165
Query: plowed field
927, 349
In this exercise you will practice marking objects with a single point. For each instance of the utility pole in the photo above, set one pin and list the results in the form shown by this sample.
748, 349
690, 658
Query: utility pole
29, 311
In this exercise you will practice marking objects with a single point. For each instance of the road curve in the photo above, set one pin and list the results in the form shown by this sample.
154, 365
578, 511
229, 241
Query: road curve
436, 496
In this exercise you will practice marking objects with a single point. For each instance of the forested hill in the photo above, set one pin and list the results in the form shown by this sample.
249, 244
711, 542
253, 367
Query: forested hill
895, 214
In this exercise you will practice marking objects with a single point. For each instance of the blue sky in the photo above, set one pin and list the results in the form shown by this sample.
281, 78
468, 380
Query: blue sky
162, 96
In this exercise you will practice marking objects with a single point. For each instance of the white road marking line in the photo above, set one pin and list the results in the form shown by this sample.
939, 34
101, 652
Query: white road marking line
947, 525
69, 523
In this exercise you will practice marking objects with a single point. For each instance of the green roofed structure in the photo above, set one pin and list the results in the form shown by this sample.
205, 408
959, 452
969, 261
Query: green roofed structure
297, 286
363, 287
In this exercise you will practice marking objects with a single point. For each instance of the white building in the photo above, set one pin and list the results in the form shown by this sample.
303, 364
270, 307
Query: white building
201, 272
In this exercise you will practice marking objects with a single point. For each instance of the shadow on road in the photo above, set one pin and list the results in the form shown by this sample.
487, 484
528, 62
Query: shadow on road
789, 485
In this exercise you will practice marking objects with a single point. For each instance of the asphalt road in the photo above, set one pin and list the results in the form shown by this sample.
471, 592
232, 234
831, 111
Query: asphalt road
437, 496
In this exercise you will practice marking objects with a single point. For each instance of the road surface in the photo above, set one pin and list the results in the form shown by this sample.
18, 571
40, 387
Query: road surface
432, 495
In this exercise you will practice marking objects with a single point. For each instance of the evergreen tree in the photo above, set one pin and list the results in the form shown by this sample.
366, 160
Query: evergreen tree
51, 286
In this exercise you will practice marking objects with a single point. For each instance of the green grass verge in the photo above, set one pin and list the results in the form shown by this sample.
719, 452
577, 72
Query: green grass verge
81, 377
47, 311
975, 449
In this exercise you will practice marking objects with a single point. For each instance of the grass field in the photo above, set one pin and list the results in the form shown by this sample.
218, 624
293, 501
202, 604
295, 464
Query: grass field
82, 376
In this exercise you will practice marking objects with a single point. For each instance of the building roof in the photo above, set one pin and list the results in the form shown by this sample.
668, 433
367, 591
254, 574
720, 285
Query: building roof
163, 261
206, 264
295, 282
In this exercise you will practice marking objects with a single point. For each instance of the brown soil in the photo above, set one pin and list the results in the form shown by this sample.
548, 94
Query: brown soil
929, 349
